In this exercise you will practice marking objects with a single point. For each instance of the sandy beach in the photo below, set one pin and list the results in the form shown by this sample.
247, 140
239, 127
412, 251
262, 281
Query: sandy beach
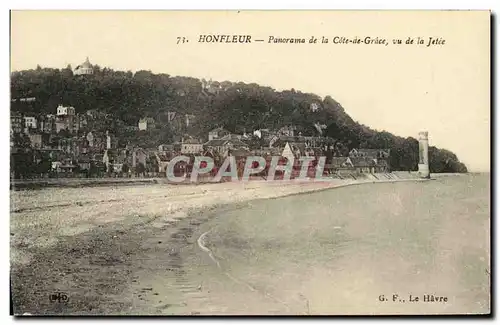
137, 250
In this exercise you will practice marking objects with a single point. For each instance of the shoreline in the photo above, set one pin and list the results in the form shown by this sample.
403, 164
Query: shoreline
174, 225
33, 184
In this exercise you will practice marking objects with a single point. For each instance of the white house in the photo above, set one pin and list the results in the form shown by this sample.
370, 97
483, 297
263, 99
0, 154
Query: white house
314, 107
146, 123
30, 122
65, 111
84, 69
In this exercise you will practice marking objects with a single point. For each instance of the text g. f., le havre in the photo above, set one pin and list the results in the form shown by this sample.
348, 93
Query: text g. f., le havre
413, 298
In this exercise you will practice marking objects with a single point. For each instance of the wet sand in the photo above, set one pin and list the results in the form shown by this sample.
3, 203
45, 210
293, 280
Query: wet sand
117, 251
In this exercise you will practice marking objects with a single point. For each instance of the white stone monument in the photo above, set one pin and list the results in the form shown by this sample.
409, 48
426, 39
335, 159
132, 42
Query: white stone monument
423, 162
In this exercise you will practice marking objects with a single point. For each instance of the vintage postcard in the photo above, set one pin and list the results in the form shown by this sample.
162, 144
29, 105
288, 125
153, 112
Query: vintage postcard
250, 163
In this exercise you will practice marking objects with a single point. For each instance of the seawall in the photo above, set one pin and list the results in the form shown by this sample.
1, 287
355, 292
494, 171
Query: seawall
22, 184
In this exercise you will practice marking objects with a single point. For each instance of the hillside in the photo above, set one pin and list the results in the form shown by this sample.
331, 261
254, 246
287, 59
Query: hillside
125, 97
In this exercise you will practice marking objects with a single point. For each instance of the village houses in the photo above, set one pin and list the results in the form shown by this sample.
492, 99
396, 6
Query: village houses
191, 146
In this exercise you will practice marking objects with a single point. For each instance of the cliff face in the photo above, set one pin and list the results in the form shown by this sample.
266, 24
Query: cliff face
122, 98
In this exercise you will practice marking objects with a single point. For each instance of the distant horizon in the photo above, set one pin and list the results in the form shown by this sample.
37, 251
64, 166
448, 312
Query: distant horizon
412, 89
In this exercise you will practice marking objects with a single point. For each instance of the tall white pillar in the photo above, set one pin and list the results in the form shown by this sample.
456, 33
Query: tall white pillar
423, 146
108, 140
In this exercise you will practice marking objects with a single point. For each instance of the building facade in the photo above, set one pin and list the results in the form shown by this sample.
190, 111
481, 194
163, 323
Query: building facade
65, 110
146, 123
191, 147
16, 123
66, 119
85, 68
30, 122
47, 124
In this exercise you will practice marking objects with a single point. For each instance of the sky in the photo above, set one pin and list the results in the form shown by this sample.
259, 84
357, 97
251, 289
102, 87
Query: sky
443, 89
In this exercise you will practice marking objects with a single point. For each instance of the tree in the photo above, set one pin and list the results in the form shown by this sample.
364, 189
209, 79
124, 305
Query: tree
67, 72
64, 133
21, 141
110, 169
93, 170
122, 98
44, 166
21, 163
140, 169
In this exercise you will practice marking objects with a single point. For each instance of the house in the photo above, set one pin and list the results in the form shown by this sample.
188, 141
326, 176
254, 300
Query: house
111, 141
382, 166
56, 166
340, 166
82, 120
320, 127
30, 122
111, 161
380, 158
16, 123
65, 111
314, 151
190, 119
370, 153
191, 146
108, 158
85, 68
146, 123
363, 164
92, 113
124, 157
211, 87
162, 160
130, 128
279, 141
339, 162
223, 145
52, 154
263, 152
314, 107
356, 165
239, 153
287, 131
139, 156
90, 139
66, 119
232, 136
47, 124
116, 159
217, 133
316, 142
296, 145
288, 152
84, 162
38, 140
65, 166
166, 147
